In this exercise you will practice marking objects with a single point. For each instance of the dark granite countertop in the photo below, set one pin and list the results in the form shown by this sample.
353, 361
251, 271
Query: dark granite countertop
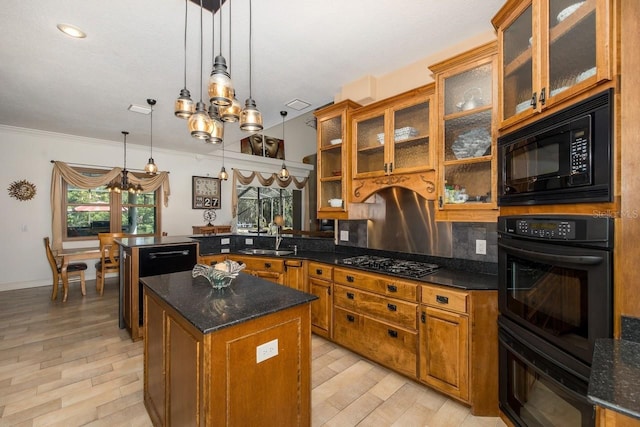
131, 242
248, 297
615, 376
444, 276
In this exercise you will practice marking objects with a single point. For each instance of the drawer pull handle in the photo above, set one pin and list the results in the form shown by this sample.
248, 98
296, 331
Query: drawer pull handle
392, 307
319, 272
392, 333
442, 300
350, 295
350, 279
350, 318
267, 264
423, 317
392, 288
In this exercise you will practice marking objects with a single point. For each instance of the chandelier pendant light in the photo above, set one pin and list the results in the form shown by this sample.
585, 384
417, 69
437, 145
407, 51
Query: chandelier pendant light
217, 129
250, 117
230, 113
200, 124
151, 168
220, 85
223, 175
284, 172
184, 106
124, 184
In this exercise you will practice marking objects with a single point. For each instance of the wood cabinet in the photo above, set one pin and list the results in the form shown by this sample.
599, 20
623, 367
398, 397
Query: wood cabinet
550, 51
333, 173
459, 346
211, 229
609, 418
180, 388
211, 259
466, 121
294, 274
321, 285
370, 322
392, 144
271, 269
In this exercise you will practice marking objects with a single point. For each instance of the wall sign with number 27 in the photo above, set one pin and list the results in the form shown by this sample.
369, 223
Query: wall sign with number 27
205, 193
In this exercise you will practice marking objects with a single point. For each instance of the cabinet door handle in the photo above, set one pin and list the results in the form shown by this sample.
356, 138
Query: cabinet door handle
350, 295
319, 272
385, 168
423, 317
328, 291
267, 265
392, 333
534, 100
390, 167
442, 300
392, 288
543, 96
350, 279
440, 202
350, 318
392, 307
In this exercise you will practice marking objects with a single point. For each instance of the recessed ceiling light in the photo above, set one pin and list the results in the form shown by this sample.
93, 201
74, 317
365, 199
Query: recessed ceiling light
72, 31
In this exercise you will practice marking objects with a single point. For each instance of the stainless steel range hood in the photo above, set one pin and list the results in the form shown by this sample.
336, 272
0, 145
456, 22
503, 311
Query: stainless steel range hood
399, 220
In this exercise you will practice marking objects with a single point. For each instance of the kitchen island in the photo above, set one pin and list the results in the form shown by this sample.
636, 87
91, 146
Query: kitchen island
235, 356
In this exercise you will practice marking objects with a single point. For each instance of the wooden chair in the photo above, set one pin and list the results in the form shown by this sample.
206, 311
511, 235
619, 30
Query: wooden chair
73, 269
109, 261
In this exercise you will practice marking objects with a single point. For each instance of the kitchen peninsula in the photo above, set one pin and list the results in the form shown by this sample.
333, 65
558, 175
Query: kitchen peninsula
255, 335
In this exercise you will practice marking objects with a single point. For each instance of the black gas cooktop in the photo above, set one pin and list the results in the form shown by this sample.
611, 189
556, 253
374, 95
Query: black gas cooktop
400, 267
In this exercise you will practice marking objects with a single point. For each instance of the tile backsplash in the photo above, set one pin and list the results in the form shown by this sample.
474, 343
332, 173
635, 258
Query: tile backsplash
465, 235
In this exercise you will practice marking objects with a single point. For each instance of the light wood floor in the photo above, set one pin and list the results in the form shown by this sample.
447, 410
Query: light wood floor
69, 365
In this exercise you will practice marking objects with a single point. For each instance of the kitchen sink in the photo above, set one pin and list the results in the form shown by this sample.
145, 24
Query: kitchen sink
265, 252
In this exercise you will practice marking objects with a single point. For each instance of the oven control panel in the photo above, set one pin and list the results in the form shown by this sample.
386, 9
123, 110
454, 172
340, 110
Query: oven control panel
565, 230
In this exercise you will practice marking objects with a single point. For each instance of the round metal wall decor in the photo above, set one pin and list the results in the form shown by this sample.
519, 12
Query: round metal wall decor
22, 190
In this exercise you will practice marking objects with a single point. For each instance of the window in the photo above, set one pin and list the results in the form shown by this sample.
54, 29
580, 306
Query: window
257, 207
92, 211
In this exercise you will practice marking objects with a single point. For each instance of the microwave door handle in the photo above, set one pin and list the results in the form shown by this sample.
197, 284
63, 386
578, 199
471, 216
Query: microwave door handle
553, 258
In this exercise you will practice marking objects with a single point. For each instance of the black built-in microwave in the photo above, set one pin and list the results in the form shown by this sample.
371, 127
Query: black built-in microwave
563, 158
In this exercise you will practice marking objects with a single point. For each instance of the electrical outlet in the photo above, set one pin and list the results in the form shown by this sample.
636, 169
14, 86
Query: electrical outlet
266, 351
224, 241
481, 247
344, 235
248, 241
224, 250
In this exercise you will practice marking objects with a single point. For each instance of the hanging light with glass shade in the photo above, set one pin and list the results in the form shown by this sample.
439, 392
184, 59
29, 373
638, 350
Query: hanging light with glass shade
200, 124
217, 131
220, 84
223, 175
184, 106
250, 117
230, 113
284, 172
151, 168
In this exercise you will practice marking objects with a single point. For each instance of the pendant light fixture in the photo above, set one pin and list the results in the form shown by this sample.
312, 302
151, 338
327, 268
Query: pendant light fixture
231, 112
151, 168
220, 84
223, 175
217, 130
200, 123
184, 106
284, 172
250, 117
124, 184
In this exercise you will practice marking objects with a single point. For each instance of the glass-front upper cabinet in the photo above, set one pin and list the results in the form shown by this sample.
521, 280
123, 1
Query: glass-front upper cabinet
393, 136
549, 51
466, 87
333, 174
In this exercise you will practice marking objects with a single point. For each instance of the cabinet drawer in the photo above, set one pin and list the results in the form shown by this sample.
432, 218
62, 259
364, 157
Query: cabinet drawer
261, 264
386, 344
376, 283
320, 271
445, 298
396, 311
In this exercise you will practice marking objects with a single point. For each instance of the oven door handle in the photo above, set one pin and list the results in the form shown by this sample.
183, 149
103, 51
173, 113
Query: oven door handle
553, 258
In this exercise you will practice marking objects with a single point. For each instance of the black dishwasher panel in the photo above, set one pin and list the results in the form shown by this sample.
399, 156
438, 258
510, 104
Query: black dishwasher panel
166, 259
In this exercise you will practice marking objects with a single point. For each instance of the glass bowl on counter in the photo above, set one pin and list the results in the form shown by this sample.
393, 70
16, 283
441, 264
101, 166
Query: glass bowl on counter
220, 275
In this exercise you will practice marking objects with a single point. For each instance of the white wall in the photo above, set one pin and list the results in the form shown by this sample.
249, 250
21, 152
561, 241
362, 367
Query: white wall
26, 154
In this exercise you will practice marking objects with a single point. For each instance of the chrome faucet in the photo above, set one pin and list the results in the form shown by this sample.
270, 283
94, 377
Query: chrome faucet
278, 237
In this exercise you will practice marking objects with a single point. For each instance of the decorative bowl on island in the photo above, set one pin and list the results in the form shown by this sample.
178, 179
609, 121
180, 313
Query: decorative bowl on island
219, 275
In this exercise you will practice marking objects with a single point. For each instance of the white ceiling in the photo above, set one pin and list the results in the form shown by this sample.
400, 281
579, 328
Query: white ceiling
305, 49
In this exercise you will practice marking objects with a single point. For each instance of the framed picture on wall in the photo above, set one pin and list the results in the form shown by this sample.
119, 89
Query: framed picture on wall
205, 192
263, 145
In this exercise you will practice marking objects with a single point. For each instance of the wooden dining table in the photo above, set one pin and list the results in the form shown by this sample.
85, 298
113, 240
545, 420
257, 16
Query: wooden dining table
69, 255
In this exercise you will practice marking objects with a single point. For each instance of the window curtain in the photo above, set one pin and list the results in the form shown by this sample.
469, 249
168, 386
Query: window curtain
62, 171
264, 180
